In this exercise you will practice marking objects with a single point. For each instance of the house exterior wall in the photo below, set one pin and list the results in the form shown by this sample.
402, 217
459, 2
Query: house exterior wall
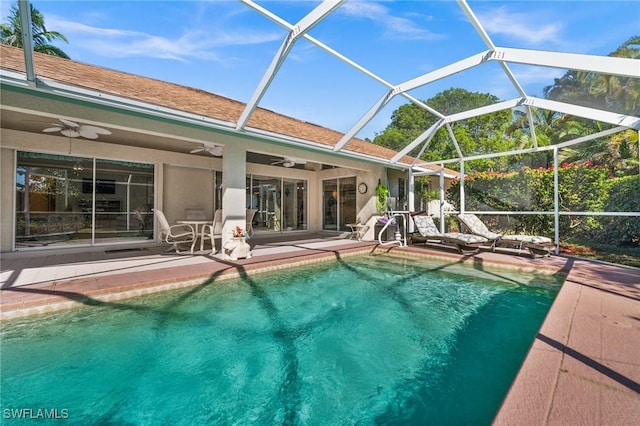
186, 181
7, 194
186, 188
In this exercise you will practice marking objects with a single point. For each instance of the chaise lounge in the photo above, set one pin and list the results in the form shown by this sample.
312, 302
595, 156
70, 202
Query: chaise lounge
537, 245
427, 231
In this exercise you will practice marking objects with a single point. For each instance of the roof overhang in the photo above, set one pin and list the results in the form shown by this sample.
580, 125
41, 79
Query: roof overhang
41, 87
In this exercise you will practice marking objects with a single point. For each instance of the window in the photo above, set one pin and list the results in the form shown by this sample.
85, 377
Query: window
62, 200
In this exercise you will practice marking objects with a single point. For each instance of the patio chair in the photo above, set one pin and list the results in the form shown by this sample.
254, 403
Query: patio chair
213, 232
249, 226
175, 234
140, 221
536, 245
427, 231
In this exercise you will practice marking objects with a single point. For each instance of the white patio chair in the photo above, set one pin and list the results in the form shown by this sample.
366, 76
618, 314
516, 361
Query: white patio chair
175, 234
214, 231
249, 226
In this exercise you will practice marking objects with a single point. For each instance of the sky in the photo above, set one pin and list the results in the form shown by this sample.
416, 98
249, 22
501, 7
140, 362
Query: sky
225, 47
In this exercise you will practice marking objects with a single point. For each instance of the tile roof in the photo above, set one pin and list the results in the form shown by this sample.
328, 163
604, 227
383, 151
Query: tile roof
182, 98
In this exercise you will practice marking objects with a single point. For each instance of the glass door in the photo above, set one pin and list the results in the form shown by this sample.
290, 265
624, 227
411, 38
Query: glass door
266, 199
338, 203
347, 201
330, 205
64, 200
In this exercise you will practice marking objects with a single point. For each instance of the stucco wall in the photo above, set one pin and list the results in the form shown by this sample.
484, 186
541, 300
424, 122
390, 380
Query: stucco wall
7, 194
186, 188
186, 181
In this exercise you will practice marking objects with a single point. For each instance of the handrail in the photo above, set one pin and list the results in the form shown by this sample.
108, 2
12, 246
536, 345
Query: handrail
400, 237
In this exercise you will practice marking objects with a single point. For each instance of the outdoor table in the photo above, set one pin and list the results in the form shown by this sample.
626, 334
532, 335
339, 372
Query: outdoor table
356, 230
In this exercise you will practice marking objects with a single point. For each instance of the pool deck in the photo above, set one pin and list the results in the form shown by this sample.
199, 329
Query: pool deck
582, 369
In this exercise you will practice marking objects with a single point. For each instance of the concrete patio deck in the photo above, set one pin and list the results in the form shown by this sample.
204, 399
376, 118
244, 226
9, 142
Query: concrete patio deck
583, 367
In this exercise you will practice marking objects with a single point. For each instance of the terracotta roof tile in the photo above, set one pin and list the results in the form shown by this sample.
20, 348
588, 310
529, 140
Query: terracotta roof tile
182, 98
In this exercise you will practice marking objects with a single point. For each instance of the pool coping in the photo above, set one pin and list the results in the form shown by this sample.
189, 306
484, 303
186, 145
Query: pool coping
582, 368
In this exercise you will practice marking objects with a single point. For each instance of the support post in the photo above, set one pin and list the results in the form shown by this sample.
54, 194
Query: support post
234, 167
556, 201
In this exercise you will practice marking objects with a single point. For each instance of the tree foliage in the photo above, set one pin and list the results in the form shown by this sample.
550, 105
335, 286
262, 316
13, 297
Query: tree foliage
476, 135
619, 152
624, 196
507, 130
609, 92
582, 187
11, 33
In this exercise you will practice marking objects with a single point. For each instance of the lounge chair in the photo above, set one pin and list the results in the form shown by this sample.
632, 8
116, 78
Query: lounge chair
175, 234
428, 231
537, 245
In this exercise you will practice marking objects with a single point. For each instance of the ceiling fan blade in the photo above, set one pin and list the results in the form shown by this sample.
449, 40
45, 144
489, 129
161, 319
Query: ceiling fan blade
87, 133
69, 123
95, 129
52, 129
196, 150
214, 150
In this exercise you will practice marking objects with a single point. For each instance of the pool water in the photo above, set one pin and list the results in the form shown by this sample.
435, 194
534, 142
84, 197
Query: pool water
363, 340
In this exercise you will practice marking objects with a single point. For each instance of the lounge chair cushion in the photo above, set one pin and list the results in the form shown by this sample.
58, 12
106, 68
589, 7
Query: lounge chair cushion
476, 226
531, 239
537, 245
427, 229
425, 226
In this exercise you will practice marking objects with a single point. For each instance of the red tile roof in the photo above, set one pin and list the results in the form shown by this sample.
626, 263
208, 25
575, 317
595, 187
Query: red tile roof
182, 98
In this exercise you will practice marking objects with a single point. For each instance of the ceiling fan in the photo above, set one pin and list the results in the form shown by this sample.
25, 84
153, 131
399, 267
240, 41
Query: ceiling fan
215, 150
289, 162
73, 130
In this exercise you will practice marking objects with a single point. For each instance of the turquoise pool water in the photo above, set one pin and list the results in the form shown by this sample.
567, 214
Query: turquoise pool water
366, 340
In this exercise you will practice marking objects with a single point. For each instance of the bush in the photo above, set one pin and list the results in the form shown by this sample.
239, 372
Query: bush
582, 187
624, 196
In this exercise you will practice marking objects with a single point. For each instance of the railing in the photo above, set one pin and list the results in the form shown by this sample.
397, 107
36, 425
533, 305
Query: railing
400, 235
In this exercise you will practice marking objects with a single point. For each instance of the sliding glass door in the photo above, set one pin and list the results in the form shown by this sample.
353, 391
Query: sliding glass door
280, 203
63, 200
339, 203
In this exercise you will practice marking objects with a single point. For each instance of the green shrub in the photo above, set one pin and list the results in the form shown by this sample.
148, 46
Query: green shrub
624, 196
582, 187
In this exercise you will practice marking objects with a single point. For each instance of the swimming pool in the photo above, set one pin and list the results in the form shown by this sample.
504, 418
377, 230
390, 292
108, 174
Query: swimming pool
370, 339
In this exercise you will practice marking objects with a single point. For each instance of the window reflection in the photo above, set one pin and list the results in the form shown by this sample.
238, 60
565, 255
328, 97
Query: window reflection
74, 200
339, 203
280, 203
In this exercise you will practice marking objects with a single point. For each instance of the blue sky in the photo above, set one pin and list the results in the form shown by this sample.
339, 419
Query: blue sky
225, 46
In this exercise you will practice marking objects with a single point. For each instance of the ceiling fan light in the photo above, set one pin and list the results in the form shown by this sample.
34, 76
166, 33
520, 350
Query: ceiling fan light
72, 133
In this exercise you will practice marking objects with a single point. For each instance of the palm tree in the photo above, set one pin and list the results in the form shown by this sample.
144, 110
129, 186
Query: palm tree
620, 94
619, 153
11, 33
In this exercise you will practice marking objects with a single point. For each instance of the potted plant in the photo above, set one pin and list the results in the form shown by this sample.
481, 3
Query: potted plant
382, 195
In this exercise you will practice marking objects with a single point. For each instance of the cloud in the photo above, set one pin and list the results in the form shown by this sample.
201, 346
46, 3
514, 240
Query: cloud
394, 26
532, 74
190, 45
521, 26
